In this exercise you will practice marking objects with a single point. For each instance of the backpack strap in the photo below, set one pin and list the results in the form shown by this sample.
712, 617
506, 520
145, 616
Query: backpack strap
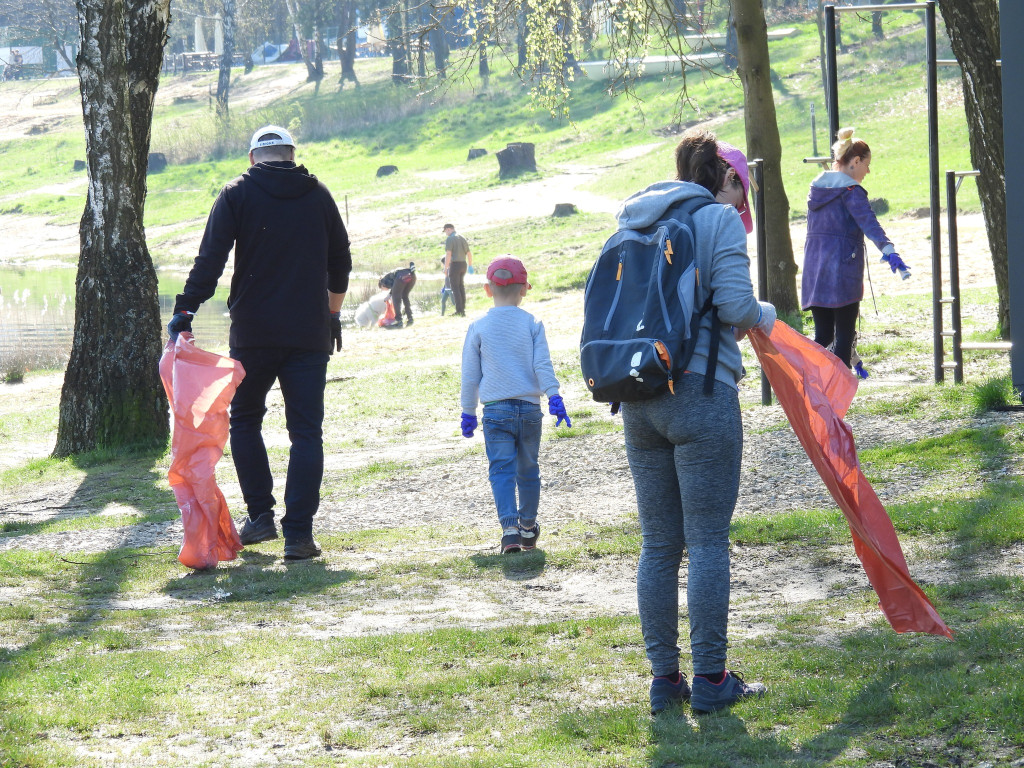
716, 337
685, 211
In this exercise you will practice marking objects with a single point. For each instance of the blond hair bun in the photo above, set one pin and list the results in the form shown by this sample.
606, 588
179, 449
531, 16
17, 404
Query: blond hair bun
841, 147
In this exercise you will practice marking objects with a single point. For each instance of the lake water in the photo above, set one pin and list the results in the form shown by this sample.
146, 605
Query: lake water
37, 312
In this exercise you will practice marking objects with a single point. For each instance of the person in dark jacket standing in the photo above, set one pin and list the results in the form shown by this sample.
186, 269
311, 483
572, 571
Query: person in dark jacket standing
838, 218
291, 271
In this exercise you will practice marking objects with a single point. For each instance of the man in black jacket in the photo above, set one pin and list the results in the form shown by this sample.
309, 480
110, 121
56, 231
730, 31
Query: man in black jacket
291, 270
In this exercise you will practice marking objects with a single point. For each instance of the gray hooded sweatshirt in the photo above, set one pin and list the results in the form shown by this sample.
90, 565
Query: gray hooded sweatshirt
721, 256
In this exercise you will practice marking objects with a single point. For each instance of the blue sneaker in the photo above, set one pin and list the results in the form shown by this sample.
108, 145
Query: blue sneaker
665, 693
708, 697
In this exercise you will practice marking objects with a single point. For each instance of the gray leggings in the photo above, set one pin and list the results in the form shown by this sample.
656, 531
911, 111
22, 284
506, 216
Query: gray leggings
684, 452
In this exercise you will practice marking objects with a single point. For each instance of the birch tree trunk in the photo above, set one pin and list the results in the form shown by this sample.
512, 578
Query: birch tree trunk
762, 131
973, 27
112, 396
311, 73
224, 75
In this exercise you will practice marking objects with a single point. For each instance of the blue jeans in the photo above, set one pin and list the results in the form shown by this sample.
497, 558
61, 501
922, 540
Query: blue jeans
512, 439
303, 376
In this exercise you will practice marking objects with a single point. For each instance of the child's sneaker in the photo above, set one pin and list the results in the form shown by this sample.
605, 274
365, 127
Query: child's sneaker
665, 693
529, 537
511, 541
708, 697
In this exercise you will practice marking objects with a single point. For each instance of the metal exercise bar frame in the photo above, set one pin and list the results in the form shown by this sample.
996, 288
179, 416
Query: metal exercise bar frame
933, 139
953, 181
952, 186
1011, 21
761, 236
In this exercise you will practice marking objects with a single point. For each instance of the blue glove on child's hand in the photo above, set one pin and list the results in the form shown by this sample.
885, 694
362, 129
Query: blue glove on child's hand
469, 424
557, 409
860, 370
897, 264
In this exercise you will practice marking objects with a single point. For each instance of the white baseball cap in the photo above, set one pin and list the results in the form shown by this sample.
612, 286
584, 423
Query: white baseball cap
284, 138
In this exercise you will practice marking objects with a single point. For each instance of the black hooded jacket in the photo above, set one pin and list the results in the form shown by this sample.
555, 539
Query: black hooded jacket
291, 248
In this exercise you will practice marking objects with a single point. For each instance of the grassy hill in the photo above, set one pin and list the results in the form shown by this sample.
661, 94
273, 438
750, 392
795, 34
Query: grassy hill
346, 134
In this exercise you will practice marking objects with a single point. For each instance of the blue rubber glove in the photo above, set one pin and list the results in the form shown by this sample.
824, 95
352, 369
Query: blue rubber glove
180, 323
860, 370
557, 409
469, 269
897, 264
469, 424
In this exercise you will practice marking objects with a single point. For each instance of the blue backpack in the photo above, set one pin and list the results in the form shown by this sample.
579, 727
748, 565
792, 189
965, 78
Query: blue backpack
642, 310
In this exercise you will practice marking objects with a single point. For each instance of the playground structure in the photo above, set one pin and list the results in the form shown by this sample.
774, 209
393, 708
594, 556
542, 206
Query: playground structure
953, 179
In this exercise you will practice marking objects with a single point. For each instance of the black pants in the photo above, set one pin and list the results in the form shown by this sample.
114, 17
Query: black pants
404, 281
302, 375
836, 326
457, 275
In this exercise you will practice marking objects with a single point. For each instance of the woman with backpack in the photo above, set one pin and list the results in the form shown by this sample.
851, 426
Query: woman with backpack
684, 448
838, 218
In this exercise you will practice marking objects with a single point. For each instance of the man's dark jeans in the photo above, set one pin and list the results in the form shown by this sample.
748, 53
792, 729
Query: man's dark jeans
303, 376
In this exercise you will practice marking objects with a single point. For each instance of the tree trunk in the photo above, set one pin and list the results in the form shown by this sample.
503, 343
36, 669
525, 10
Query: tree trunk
762, 131
729, 58
973, 28
439, 38
482, 32
226, 60
347, 42
112, 396
522, 30
311, 73
396, 41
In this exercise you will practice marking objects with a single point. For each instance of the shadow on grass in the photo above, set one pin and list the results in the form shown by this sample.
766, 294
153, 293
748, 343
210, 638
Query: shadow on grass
521, 566
87, 586
129, 480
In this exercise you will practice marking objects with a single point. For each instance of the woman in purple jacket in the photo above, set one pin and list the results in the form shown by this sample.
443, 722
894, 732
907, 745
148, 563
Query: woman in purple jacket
838, 218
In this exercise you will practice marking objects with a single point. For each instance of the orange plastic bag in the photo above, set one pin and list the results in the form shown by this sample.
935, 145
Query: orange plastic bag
815, 389
389, 313
200, 386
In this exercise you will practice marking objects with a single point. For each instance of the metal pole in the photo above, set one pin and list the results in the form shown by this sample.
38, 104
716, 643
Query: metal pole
814, 134
1011, 21
832, 84
761, 234
954, 277
933, 174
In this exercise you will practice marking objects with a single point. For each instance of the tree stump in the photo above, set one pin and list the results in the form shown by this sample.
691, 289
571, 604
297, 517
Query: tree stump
157, 162
475, 153
386, 170
516, 158
564, 209
79, 165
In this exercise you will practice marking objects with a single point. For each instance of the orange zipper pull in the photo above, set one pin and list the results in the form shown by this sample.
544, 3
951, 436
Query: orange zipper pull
668, 250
